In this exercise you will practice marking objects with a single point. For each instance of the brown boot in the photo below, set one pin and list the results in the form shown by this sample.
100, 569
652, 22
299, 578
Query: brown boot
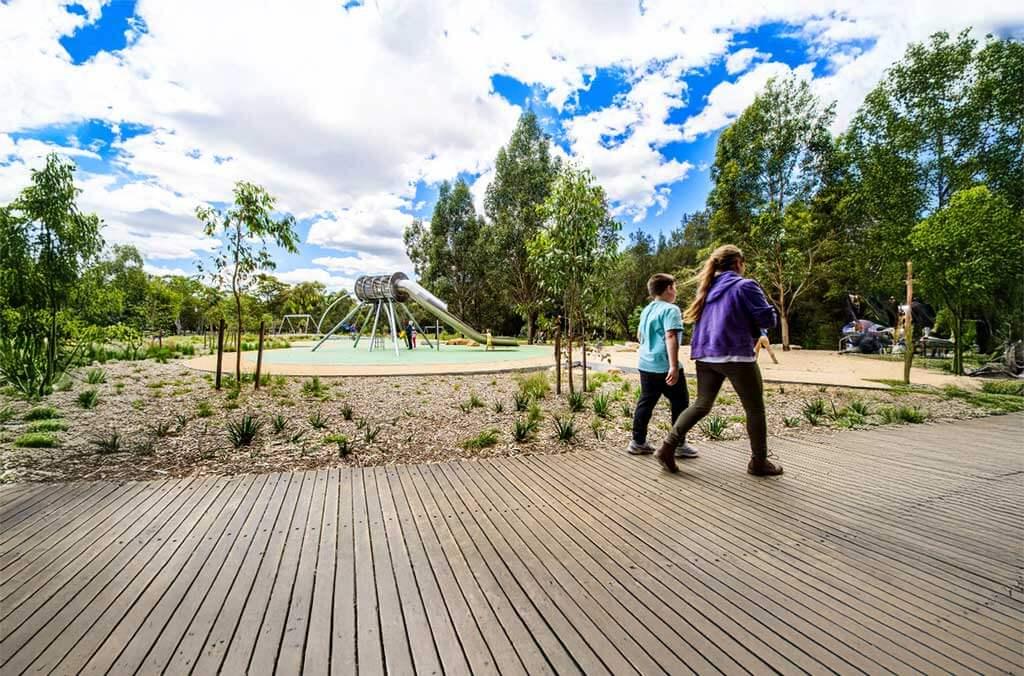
666, 455
763, 467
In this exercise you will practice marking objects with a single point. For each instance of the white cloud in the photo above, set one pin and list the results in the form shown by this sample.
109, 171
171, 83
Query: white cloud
728, 99
332, 282
739, 60
161, 271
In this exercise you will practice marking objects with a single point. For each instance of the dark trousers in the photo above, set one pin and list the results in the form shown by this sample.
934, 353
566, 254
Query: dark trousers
746, 380
652, 388
408, 339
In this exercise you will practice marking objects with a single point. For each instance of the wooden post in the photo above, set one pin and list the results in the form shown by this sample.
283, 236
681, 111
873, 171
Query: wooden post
558, 355
220, 352
160, 339
908, 331
583, 348
259, 358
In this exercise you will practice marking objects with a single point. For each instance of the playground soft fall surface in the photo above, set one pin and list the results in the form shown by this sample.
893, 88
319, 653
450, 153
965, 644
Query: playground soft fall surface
169, 421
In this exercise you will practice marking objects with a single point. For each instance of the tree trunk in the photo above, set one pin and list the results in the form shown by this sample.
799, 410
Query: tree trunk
531, 326
784, 321
569, 324
583, 348
958, 346
238, 344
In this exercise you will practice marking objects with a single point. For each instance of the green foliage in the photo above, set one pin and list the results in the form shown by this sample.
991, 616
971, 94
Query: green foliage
601, 405
346, 412
485, 439
791, 421
108, 443
498, 407
48, 426
534, 386
1007, 387
41, 413
523, 430
204, 409
714, 426
370, 434
343, 443
6, 413
597, 427
181, 421
25, 365
279, 423
534, 413
627, 411
814, 410
36, 440
88, 398
161, 429
314, 388
577, 402
565, 429
859, 407
243, 431
521, 401
96, 376
902, 414
317, 420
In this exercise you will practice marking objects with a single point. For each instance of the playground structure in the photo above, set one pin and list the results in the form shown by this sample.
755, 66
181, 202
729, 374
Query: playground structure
289, 319
388, 295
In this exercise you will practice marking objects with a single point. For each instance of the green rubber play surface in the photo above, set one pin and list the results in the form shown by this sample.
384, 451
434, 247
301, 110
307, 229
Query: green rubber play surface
342, 352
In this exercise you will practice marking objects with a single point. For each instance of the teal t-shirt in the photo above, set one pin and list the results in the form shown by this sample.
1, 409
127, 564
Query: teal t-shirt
656, 319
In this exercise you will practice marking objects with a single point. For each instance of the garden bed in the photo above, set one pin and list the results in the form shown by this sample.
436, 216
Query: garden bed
150, 420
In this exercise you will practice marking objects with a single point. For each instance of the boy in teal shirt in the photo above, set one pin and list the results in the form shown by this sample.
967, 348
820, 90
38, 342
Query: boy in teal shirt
660, 332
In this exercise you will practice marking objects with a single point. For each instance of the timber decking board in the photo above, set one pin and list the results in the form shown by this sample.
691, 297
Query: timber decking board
896, 549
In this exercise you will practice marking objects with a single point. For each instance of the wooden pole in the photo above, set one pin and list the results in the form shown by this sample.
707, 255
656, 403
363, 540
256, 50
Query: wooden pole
558, 355
583, 348
220, 352
908, 331
259, 358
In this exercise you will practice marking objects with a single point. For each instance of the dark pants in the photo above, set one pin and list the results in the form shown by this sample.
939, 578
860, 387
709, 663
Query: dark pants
408, 339
652, 388
746, 380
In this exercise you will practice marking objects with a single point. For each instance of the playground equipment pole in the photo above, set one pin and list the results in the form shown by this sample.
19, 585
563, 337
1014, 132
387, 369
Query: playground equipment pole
908, 332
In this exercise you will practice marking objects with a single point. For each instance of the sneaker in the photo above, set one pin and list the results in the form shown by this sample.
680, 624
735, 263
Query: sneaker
763, 467
639, 449
685, 450
666, 456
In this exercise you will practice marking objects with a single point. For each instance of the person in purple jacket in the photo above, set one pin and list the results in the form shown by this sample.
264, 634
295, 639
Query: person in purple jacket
728, 314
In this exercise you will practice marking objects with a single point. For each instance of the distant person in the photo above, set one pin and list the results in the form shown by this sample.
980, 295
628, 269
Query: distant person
659, 333
490, 341
728, 315
408, 334
413, 332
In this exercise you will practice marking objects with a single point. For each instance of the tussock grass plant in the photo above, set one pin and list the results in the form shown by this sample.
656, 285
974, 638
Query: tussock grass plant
534, 385
485, 439
577, 402
601, 405
96, 376
791, 421
243, 431
36, 440
714, 426
279, 422
108, 443
565, 429
41, 413
317, 420
88, 398
204, 409
521, 400
523, 430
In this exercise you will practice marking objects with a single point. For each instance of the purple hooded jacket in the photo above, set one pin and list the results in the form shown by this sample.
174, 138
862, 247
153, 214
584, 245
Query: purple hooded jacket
734, 314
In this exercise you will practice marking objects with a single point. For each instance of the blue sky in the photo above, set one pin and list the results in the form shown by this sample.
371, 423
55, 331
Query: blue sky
352, 114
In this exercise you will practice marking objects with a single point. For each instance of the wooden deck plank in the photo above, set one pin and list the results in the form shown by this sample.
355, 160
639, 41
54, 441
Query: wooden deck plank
297, 623
40, 625
316, 658
126, 621
881, 550
220, 617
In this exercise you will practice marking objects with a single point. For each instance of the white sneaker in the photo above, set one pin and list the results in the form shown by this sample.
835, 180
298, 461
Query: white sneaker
639, 449
686, 451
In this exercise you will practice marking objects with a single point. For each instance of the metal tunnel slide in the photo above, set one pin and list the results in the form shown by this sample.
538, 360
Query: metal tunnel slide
439, 309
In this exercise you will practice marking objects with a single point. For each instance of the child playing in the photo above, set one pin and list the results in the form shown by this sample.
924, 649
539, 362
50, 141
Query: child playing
659, 333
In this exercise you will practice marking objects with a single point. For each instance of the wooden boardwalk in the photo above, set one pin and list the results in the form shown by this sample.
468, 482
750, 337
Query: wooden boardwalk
885, 550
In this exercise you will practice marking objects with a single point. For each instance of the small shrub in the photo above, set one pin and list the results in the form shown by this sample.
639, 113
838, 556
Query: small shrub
792, 421
241, 432
576, 402
233, 393
162, 429
88, 398
485, 439
109, 443
597, 428
534, 414
296, 437
475, 401
314, 388
279, 422
499, 407
601, 405
814, 410
64, 384
522, 429
317, 420
859, 407
370, 434
714, 427
1009, 387
204, 409
911, 414
138, 404
534, 385
6, 413
565, 429
627, 411
180, 421
41, 413
342, 441
346, 412
521, 401
36, 440
96, 376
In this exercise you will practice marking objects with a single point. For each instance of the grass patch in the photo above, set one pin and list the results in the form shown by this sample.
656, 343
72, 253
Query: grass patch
989, 401
791, 421
36, 440
714, 427
96, 376
601, 405
204, 409
1004, 387
523, 430
41, 413
485, 439
48, 426
89, 398
534, 385
314, 388
903, 414
576, 402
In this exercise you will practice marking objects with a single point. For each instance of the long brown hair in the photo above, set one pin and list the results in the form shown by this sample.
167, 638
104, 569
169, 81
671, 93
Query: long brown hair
725, 257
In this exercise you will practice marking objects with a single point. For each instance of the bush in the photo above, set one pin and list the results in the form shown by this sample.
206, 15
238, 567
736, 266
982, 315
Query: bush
485, 439
111, 443
96, 376
601, 405
576, 402
36, 440
48, 426
88, 398
714, 427
242, 432
565, 429
42, 413
534, 385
